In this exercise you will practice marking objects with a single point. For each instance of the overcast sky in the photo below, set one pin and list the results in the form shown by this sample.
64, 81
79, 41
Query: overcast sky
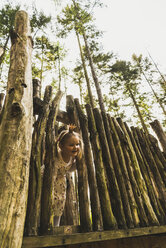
131, 26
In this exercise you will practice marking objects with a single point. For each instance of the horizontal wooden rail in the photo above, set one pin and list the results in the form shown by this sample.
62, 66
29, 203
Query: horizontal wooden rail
80, 238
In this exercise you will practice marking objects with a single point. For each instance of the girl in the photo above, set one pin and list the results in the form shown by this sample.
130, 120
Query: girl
68, 148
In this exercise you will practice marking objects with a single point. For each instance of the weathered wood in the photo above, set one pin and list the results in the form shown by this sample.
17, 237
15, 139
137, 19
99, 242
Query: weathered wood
81, 238
94, 198
69, 213
35, 182
16, 138
46, 224
131, 199
36, 88
160, 133
153, 167
109, 221
136, 190
148, 177
84, 205
113, 187
152, 218
118, 163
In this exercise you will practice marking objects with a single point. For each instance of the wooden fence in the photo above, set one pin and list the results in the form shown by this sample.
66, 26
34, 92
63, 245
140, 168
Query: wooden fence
120, 183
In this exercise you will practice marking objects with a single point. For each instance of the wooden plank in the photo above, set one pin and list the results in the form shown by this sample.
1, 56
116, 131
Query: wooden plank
80, 238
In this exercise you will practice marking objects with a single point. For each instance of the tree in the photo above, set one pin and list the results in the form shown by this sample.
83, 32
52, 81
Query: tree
124, 72
15, 138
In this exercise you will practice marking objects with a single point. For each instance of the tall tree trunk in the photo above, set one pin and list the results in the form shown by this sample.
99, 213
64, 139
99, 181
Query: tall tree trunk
85, 73
16, 137
138, 110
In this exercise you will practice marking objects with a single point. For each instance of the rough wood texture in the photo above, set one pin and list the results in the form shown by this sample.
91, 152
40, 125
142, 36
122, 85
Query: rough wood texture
113, 187
110, 236
46, 223
35, 182
16, 137
94, 198
84, 205
152, 218
106, 208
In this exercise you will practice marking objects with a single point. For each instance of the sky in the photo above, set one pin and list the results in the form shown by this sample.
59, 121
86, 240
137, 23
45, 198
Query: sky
130, 26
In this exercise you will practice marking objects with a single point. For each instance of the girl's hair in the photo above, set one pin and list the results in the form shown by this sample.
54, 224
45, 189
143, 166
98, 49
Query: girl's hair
65, 134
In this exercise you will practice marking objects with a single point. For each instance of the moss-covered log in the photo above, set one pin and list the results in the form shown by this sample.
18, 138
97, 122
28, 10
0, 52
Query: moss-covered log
153, 167
94, 198
35, 182
131, 199
114, 191
152, 218
84, 205
109, 221
46, 223
16, 137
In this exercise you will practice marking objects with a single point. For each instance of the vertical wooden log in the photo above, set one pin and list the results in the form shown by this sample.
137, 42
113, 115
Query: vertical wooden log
94, 198
16, 137
117, 161
109, 221
140, 181
84, 205
160, 133
68, 214
137, 194
131, 200
36, 88
148, 177
46, 225
114, 191
153, 167
35, 182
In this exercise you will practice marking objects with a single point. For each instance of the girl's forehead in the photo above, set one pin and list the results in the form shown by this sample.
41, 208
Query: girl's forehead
73, 138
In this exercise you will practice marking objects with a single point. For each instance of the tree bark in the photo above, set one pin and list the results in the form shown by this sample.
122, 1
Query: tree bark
114, 191
152, 218
16, 137
109, 221
84, 205
131, 200
35, 182
46, 223
94, 198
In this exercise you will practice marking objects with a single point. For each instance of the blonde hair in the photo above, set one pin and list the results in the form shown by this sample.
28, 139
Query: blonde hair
65, 135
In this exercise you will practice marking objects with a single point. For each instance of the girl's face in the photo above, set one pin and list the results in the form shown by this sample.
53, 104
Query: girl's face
71, 147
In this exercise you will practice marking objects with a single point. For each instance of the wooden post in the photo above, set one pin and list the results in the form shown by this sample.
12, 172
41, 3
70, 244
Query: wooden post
114, 191
84, 205
94, 198
16, 137
152, 218
131, 199
48, 177
35, 182
148, 177
109, 221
